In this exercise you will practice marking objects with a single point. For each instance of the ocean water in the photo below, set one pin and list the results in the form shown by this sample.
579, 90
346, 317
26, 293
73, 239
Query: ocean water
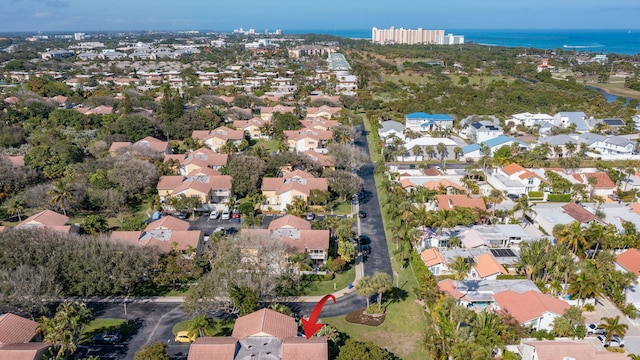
621, 41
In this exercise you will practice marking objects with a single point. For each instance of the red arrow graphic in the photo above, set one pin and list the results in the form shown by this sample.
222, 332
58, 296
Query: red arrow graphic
310, 327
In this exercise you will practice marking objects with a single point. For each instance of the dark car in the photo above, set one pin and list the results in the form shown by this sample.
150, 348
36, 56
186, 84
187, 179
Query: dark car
362, 214
108, 338
364, 240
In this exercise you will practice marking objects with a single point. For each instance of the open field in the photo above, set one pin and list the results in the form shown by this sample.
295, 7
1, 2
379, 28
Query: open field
426, 79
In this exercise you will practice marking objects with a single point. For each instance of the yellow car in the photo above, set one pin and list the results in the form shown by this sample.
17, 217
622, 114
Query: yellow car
183, 337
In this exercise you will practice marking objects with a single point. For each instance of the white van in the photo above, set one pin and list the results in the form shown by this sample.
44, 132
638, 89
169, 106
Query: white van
226, 215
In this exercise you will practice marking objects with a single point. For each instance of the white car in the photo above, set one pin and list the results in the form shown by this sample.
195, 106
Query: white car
615, 341
592, 329
214, 215
226, 215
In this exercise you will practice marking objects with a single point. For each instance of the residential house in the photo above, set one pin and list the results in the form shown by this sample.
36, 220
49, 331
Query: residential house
514, 179
603, 186
449, 202
479, 294
266, 113
24, 351
98, 110
567, 118
253, 127
558, 145
280, 192
155, 144
565, 350
319, 123
481, 131
474, 151
499, 235
629, 261
531, 308
213, 191
198, 160
608, 125
323, 111
326, 161
189, 242
215, 139
528, 120
486, 267
434, 261
48, 219
15, 329
608, 145
260, 335
420, 121
429, 148
390, 129
308, 139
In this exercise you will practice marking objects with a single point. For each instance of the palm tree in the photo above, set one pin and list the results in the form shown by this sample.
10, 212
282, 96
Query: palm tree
381, 283
495, 198
613, 326
16, 207
63, 330
430, 151
584, 285
572, 236
523, 205
460, 267
417, 151
457, 151
61, 195
365, 287
199, 326
442, 150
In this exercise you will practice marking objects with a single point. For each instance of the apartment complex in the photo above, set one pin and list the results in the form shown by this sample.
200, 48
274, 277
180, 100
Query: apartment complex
419, 36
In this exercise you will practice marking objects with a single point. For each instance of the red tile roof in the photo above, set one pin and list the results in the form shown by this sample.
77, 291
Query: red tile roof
630, 261
27, 351
265, 322
512, 169
451, 201
210, 348
580, 214
603, 181
15, 329
487, 265
562, 350
168, 222
45, 218
296, 348
163, 239
529, 305
290, 221
432, 257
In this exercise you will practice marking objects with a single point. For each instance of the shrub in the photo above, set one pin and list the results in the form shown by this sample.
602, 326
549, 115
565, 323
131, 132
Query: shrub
589, 307
559, 198
536, 195
510, 277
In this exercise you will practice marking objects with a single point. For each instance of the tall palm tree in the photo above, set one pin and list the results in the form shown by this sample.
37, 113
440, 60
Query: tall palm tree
457, 151
16, 207
613, 326
381, 283
199, 326
524, 206
416, 150
61, 195
572, 236
365, 287
442, 151
584, 285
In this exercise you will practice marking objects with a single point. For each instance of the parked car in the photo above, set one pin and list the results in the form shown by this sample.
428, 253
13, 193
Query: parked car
354, 199
235, 214
183, 337
362, 214
310, 216
365, 249
592, 329
112, 337
214, 215
513, 196
615, 341
220, 229
226, 215
364, 240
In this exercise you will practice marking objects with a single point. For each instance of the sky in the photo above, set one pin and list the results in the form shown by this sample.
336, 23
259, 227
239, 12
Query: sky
133, 15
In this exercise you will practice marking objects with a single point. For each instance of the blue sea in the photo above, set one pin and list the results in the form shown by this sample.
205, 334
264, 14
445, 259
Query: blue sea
621, 41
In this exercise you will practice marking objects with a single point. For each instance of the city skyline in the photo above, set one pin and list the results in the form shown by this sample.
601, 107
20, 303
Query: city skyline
118, 15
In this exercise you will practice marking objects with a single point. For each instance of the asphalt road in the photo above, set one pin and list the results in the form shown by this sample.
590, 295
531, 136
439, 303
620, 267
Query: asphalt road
378, 260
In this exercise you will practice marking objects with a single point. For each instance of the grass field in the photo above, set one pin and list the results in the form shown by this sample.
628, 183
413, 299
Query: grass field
402, 331
102, 325
426, 79
326, 287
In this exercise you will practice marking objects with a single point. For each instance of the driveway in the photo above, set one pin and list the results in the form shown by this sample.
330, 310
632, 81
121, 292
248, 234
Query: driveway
378, 260
207, 226
606, 308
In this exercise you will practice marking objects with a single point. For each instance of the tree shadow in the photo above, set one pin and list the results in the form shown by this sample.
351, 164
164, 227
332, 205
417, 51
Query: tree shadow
397, 295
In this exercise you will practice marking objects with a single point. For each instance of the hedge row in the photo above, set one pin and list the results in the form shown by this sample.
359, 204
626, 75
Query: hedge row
559, 197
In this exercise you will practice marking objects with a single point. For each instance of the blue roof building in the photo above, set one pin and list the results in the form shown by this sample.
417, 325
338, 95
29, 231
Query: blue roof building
420, 121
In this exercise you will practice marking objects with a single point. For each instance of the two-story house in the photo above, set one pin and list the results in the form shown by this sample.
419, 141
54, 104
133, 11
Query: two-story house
253, 127
514, 179
215, 139
420, 121
324, 111
481, 131
280, 192
308, 139
266, 113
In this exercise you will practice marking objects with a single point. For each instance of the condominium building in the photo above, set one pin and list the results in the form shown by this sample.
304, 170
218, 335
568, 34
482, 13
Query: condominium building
409, 36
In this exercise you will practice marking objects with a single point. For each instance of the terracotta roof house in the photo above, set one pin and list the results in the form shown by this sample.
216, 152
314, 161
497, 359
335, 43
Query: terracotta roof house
252, 126
264, 334
26, 351
15, 329
117, 145
323, 111
604, 186
164, 239
50, 220
17, 161
266, 113
198, 159
565, 350
168, 223
531, 308
154, 144
450, 201
217, 137
307, 139
479, 294
327, 161
213, 190
319, 124
514, 179
290, 221
280, 192
486, 267
629, 261
581, 214
434, 260
446, 184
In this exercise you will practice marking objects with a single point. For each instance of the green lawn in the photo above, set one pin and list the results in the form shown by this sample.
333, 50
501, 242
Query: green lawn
343, 208
269, 145
216, 327
105, 324
401, 333
326, 287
